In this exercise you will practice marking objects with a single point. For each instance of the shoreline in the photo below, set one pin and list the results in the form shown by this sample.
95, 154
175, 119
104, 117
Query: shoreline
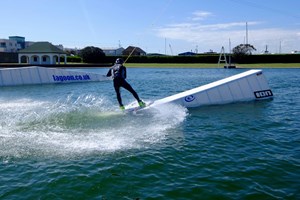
161, 65
212, 65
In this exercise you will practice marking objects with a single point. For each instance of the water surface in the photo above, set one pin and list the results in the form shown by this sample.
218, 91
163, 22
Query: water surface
70, 141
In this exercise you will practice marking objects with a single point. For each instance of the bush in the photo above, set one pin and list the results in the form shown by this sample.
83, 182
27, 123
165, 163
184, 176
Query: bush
92, 55
174, 59
74, 59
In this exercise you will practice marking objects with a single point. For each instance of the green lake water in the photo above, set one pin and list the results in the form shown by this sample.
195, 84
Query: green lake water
70, 141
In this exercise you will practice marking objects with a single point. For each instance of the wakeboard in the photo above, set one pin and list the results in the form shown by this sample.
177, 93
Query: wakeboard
134, 107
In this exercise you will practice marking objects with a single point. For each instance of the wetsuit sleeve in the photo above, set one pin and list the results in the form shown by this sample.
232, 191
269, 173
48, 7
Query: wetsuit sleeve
109, 73
125, 73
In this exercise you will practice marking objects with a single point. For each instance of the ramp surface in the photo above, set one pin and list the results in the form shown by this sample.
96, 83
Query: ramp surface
246, 86
43, 75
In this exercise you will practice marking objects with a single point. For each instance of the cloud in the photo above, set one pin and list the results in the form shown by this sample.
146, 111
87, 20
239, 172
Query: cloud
214, 36
200, 15
193, 32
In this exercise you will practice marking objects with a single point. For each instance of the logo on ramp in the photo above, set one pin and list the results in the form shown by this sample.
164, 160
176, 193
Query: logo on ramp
263, 94
189, 98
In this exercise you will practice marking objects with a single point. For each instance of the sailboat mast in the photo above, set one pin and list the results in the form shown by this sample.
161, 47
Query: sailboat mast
246, 32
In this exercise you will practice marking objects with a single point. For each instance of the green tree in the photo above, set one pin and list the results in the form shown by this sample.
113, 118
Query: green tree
241, 51
92, 54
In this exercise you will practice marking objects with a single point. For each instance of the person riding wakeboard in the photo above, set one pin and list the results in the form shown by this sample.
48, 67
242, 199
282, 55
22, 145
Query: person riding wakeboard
118, 73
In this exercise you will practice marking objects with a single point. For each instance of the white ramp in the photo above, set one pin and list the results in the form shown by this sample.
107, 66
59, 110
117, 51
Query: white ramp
247, 86
43, 75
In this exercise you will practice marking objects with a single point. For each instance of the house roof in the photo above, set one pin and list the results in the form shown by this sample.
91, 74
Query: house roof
187, 54
136, 49
112, 49
42, 47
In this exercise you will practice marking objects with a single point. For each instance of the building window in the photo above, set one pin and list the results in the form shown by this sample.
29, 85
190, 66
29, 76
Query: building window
44, 59
35, 59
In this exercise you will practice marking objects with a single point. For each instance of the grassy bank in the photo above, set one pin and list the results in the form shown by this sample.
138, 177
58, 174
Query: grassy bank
209, 65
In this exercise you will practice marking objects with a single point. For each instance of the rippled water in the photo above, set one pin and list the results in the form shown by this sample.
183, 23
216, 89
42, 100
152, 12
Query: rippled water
72, 142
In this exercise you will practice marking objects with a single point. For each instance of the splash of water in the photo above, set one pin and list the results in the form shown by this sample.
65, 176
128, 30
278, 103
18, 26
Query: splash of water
77, 126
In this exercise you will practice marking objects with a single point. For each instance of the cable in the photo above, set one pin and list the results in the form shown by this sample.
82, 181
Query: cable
154, 21
260, 6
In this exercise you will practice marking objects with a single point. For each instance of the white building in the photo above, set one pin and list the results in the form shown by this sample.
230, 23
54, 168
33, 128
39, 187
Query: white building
13, 44
7, 45
41, 53
113, 51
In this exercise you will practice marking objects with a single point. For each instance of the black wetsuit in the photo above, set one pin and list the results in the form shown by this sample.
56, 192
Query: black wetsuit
118, 73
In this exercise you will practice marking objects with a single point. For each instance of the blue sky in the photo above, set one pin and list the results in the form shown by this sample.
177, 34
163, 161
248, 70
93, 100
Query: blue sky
157, 26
